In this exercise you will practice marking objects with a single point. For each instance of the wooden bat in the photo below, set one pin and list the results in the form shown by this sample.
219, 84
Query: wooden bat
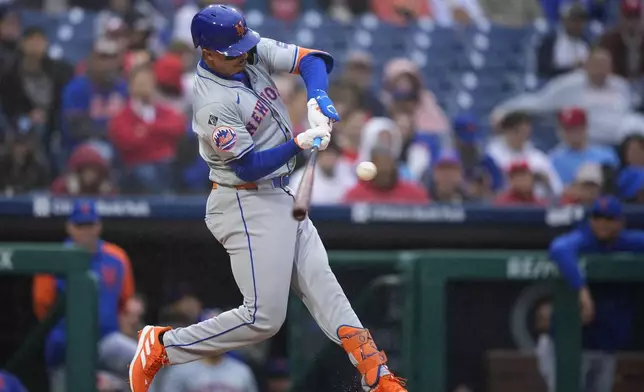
303, 196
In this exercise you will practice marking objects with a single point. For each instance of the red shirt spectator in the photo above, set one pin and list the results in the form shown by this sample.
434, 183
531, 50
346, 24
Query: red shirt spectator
88, 174
386, 187
144, 131
400, 11
521, 189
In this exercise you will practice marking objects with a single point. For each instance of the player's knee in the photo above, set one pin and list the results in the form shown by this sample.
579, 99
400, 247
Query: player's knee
269, 321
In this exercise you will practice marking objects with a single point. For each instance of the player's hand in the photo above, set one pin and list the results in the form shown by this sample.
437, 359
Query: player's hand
305, 139
324, 106
587, 306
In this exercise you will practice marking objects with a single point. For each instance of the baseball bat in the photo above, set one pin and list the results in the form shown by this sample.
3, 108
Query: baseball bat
303, 196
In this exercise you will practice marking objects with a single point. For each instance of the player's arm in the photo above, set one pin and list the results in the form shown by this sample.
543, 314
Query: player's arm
312, 65
633, 240
127, 287
564, 251
232, 142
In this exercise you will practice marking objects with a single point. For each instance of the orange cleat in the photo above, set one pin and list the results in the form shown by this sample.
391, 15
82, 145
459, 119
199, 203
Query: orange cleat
390, 383
370, 362
150, 357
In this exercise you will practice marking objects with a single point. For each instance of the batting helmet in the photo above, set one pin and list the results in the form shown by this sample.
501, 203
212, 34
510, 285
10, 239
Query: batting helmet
222, 29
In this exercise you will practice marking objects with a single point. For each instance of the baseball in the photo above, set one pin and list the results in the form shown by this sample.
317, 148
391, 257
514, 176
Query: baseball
366, 171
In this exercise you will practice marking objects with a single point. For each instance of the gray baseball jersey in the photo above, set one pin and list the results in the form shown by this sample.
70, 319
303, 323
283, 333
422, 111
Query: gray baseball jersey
270, 252
232, 119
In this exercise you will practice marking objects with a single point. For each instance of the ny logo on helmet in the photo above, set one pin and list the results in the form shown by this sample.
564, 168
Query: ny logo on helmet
241, 29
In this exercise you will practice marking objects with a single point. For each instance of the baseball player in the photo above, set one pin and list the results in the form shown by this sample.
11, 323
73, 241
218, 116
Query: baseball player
245, 136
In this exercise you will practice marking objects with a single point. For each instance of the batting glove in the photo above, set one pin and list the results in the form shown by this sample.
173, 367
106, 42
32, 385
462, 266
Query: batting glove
305, 139
324, 106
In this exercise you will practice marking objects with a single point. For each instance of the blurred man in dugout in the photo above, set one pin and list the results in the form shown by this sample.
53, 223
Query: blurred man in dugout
607, 312
111, 265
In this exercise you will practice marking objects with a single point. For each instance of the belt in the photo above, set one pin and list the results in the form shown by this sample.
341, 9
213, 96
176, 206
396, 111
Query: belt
276, 182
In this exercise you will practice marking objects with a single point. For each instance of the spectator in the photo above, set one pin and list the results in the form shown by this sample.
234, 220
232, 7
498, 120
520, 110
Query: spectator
383, 132
278, 376
22, 164
446, 184
10, 383
599, 10
284, 10
333, 178
131, 317
168, 71
175, 84
359, 71
89, 102
416, 148
605, 97
404, 93
514, 145
464, 12
138, 50
121, 9
481, 171
586, 187
293, 93
400, 12
631, 151
146, 134
88, 174
630, 184
9, 36
566, 48
386, 187
625, 42
520, 188
33, 85
607, 317
348, 132
575, 148
344, 11
513, 13
112, 266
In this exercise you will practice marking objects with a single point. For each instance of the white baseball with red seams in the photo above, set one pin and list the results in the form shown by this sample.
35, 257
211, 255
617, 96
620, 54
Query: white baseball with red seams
366, 171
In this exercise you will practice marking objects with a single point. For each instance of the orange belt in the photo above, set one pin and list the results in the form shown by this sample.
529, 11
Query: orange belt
251, 186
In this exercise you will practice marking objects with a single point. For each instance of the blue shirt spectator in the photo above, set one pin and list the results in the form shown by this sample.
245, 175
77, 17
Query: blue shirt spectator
468, 139
575, 148
90, 101
630, 184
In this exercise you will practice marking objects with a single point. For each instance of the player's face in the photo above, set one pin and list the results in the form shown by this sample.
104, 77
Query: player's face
225, 65
85, 235
35, 46
522, 181
448, 176
574, 136
605, 228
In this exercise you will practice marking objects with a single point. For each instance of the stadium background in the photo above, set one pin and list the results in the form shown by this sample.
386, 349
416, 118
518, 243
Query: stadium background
471, 57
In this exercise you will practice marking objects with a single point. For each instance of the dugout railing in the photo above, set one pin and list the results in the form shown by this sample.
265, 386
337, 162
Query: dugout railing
80, 307
423, 277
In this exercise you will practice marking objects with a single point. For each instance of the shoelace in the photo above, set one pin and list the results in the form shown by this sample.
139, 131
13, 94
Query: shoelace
156, 364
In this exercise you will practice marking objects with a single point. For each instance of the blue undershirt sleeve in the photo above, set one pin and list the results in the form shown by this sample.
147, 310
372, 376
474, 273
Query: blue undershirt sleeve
257, 164
564, 252
313, 72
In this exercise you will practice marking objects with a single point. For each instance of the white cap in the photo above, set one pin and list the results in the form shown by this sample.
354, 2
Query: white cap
590, 172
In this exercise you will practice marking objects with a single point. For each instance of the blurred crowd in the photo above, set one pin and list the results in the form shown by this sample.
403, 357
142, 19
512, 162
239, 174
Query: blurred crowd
119, 122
